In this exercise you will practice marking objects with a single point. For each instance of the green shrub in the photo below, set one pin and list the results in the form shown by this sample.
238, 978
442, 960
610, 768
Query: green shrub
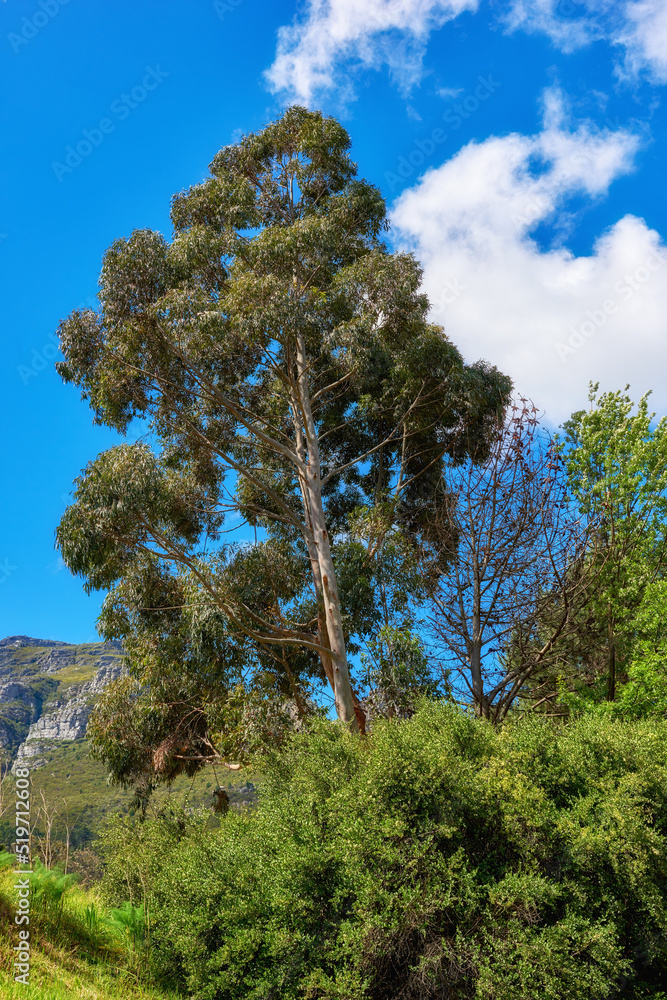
440, 858
129, 923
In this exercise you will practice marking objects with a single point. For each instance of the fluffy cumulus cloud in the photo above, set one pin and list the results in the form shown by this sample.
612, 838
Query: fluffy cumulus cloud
637, 27
335, 35
552, 320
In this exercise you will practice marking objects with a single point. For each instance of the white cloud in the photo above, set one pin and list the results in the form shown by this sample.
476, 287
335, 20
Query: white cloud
570, 24
314, 50
551, 320
638, 27
645, 38
448, 93
321, 48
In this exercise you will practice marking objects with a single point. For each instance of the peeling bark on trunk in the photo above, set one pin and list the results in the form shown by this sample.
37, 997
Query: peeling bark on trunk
341, 678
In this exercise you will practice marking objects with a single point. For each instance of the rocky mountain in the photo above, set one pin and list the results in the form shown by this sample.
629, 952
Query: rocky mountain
47, 693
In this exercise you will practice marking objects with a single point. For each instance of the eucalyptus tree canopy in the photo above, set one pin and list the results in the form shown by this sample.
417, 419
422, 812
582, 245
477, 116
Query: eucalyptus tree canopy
284, 362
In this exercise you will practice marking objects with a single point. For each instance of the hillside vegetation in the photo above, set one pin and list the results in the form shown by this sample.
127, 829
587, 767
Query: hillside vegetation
72, 792
479, 603
49, 687
441, 858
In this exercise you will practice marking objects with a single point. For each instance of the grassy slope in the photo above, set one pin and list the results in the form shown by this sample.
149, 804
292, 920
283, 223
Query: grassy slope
59, 974
67, 959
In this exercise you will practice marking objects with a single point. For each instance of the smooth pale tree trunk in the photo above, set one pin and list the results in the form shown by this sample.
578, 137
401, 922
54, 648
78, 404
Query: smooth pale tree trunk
342, 686
324, 572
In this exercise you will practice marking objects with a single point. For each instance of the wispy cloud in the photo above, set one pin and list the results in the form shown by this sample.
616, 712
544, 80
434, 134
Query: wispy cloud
316, 52
321, 50
449, 93
638, 28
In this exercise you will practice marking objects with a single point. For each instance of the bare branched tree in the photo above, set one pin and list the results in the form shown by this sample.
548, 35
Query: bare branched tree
521, 567
46, 816
5, 802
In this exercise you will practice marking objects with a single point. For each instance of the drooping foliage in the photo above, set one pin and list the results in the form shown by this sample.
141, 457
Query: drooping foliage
283, 362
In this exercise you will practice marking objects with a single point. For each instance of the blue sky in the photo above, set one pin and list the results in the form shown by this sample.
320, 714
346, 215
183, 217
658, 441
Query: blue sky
520, 145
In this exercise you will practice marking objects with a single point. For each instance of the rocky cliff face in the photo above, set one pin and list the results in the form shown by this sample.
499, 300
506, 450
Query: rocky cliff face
47, 693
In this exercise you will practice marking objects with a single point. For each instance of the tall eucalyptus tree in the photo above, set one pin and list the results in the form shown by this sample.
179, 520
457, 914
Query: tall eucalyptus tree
286, 367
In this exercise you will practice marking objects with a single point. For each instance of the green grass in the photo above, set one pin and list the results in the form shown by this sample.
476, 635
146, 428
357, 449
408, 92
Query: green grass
58, 982
78, 947
79, 672
84, 667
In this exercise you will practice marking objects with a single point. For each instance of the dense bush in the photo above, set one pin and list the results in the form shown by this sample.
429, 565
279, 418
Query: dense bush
439, 858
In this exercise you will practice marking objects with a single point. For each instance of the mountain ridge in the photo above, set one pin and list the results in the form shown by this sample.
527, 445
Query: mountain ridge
48, 689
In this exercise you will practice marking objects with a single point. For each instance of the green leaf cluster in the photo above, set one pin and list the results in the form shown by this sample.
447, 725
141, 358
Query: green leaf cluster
616, 458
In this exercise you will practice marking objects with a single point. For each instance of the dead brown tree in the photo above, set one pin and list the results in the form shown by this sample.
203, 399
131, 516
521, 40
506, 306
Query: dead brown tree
516, 566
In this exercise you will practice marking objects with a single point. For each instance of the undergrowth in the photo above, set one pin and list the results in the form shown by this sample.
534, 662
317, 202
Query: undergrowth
78, 946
